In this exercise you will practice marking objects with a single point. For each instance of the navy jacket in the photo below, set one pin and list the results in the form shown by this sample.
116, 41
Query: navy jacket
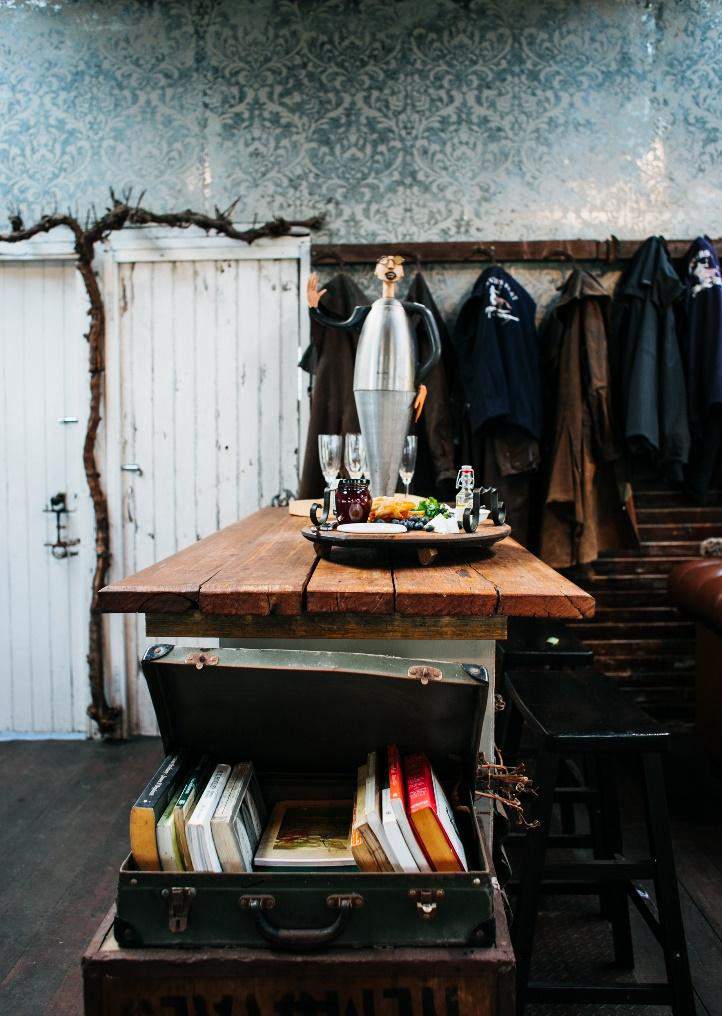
497, 350
646, 358
702, 337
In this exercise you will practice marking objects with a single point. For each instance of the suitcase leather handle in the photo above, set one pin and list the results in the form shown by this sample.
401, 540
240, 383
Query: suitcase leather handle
301, 939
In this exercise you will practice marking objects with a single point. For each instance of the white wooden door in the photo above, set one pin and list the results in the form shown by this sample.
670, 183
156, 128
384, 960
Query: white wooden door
207, 335
43, 410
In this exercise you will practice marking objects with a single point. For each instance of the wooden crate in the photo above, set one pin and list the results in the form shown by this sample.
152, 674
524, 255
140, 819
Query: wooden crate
245, 982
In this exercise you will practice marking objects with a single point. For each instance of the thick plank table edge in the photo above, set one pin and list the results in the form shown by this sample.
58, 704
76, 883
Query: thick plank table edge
329, 626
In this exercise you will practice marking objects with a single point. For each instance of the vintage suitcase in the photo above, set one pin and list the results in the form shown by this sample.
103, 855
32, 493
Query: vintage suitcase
307, 720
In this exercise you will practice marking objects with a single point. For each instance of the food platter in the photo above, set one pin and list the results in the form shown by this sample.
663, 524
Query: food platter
422, 545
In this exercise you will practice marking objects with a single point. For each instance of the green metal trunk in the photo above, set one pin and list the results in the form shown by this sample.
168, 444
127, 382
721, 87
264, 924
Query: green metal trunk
307, 720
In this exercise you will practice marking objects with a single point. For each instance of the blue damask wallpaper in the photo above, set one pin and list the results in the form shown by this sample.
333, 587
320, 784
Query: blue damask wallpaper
414, 119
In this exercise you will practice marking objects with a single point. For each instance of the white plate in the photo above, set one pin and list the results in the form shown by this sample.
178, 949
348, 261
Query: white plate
382, 528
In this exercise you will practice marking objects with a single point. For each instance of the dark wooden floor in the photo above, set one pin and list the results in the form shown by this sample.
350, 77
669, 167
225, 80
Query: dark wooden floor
63, 833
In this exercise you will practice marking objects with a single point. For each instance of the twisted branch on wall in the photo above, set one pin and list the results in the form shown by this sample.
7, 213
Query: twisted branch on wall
95, 229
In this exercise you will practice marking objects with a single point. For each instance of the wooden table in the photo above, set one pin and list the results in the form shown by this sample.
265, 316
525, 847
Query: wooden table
260, 578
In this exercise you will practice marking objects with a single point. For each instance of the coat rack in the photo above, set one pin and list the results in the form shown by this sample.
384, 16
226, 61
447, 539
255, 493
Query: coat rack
479, 251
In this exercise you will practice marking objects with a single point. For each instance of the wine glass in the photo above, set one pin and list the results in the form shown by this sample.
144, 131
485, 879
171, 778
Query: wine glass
408, 461
354, 455
329, 456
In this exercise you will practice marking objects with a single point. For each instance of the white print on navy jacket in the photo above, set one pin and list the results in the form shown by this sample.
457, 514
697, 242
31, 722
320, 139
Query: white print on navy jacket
705, 271
498, 306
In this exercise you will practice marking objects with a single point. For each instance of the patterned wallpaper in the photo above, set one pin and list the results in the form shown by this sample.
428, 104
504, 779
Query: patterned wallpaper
414, 119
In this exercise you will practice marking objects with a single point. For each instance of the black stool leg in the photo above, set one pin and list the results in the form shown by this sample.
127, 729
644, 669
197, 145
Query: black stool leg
512, 732
616, 899
566, 808
545, 777
665, 883
596, 825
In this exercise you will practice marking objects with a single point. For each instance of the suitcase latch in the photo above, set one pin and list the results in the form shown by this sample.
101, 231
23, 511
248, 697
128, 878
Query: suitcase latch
425, 673
201, 660
179, 903
427, 901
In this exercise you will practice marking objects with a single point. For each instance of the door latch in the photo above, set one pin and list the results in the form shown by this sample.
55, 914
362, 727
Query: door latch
427, 902
60, 548
179, 903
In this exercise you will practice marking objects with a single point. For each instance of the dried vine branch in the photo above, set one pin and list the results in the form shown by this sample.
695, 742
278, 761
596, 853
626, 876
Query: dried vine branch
505, 784
95, 229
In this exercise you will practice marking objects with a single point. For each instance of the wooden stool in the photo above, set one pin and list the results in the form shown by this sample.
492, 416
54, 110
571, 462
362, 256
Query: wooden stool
582, 713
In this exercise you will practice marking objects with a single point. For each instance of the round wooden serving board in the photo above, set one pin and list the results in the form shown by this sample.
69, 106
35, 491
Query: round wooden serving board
426, 546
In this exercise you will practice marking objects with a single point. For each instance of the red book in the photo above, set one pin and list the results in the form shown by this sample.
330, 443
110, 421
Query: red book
431, 816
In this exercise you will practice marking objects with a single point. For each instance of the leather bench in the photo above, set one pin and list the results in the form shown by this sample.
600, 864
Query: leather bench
695, 587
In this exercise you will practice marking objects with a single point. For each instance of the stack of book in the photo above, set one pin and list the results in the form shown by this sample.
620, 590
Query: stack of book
402, 818
211, 817
201, 818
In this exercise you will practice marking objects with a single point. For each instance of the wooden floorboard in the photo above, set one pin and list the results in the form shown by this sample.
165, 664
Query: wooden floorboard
63, 833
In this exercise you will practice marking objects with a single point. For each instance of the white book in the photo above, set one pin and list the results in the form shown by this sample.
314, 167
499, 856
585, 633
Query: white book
395, 837
397, 788
228, 825
372, 808
200, 838
167, 838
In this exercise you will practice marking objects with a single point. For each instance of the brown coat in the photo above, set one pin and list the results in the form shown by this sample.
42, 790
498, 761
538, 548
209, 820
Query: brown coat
330, 361
585, 510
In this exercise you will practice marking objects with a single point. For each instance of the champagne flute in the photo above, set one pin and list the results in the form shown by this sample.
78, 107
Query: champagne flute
408, 461
329, 456
354, 455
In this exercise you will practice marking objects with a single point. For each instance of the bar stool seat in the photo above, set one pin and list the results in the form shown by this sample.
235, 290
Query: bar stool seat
580, 710
581, 713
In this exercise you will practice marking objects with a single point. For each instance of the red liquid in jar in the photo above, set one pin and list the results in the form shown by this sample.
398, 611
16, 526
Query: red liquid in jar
353, 501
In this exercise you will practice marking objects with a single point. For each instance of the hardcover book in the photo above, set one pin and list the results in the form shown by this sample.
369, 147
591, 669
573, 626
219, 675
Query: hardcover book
308, 835
189, 795
200, 838
431, 816
232, 825
397, 801
147, 810
402, 855
167, 838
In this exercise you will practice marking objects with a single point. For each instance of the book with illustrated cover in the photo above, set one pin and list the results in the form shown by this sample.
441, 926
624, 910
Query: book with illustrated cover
189, 795
372, 811
308, 835
397, 799
198, 830
234, 823
167, 837
431, 816
147, 810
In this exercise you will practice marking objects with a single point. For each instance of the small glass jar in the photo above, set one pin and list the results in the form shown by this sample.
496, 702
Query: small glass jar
353, 501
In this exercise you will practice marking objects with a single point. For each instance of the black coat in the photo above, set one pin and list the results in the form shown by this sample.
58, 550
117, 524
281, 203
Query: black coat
702, 336
646, 359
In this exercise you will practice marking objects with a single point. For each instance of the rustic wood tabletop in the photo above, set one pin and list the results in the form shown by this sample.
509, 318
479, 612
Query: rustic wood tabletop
260, 577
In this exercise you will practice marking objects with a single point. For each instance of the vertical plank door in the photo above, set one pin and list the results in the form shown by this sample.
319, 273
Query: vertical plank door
43, 411
207, 423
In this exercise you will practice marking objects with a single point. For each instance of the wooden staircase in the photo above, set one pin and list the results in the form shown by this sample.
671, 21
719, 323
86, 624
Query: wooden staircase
637, 636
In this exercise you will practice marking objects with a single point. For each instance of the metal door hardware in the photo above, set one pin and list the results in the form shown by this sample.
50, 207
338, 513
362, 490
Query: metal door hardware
68, 419
425, 673
179, 903
60, 548
201, 660
131, 467
427, 902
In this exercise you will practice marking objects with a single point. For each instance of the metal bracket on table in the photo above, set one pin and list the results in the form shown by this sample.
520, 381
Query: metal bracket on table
484, 497
321, 521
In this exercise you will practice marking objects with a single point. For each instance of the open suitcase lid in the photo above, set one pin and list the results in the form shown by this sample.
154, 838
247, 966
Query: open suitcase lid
308, 711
